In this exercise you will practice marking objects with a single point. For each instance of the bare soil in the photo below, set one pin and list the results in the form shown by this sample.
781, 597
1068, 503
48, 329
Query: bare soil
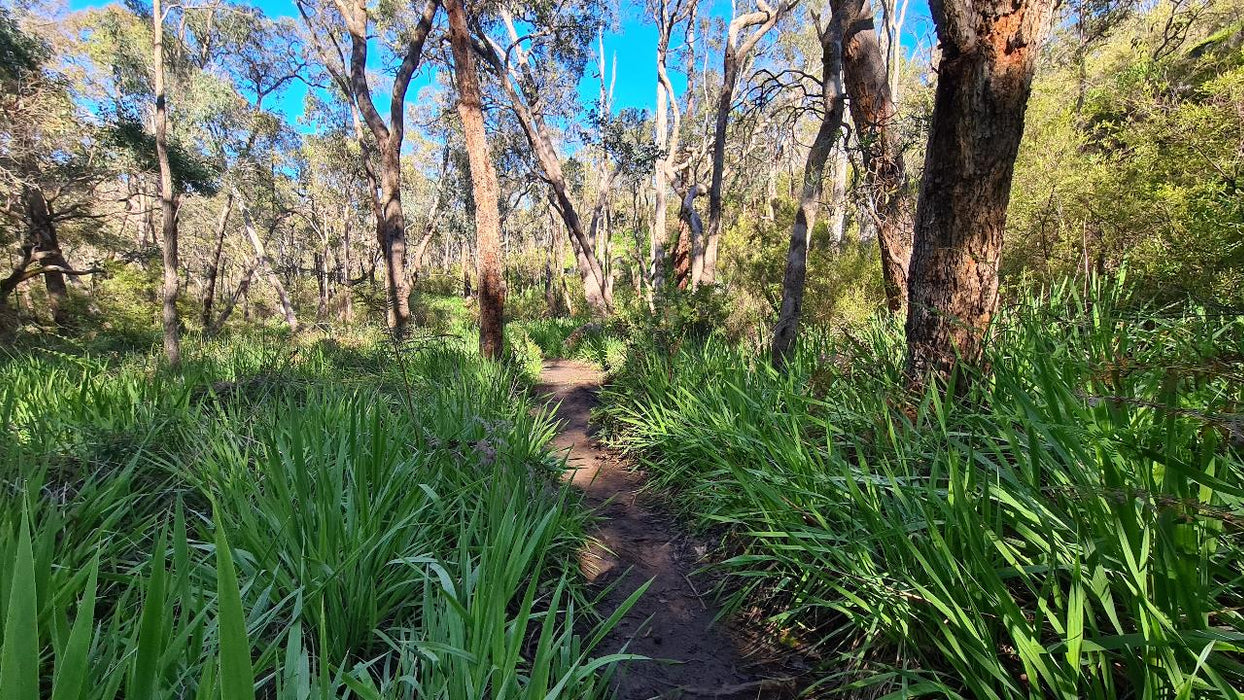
673, 622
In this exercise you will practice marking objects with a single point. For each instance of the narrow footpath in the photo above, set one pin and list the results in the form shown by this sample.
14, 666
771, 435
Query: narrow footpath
673, 620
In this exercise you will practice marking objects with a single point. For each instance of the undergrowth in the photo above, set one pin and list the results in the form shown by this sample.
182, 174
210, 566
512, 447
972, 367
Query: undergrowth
1072, 528
286, 518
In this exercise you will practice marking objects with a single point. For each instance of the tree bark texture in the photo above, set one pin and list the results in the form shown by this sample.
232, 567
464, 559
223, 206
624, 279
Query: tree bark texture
989, 52
483, 184
265, 262
872, 109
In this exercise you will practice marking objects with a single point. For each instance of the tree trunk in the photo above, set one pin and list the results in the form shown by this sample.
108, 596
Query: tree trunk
464, 263
690, 238
213, 268
346, 290
704, 264
429, 227
391, 235
735, 54
542, 147
8, 285
387, 202
265, 262
483, 184
168, 203
868, 86
241, 293
984, 79
47, 253
787, 327
666, 137
840, 167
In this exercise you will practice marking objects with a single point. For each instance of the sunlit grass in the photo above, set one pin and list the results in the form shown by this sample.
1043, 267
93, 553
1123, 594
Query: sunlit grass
316, 517
1071, 529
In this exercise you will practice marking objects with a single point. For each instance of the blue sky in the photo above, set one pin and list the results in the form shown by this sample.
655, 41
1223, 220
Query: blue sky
633, 42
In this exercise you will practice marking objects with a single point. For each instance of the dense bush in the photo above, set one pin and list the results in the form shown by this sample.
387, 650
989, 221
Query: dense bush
1071, 529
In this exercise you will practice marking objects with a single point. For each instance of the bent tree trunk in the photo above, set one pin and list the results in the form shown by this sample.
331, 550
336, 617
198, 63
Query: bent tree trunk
47, 253
265, 262
787, 327
984, 79
872, 109
483, 184
536, 132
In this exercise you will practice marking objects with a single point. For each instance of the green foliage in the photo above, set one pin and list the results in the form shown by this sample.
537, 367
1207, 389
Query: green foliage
21, 55
523, 353
843, 281
192, 172
342, 517
1138, 162
565, 338
1070, 530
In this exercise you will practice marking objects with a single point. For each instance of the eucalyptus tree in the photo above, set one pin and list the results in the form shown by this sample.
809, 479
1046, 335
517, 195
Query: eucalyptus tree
168, 197
988, 56
46, 171
348, 70
669, 16
256, 58
744, 32
537, 72
484, 183
873, 111
833, 105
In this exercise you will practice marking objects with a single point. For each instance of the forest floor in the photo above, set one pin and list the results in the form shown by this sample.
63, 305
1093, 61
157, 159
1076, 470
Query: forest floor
673, 623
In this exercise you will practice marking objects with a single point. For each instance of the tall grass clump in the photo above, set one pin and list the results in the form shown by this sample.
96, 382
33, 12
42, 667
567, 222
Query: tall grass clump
286, 518
1072, 528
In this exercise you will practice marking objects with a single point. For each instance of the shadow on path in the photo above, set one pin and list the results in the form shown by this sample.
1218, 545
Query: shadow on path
637, 542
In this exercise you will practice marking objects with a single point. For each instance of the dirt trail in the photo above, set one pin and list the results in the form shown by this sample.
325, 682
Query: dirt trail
637, 542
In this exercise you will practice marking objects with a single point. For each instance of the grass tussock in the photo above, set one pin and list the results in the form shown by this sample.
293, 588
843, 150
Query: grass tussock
1073, 528
291, 519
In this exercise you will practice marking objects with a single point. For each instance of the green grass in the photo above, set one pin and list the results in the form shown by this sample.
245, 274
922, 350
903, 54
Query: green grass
292, 518
1073, 529
579, 339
